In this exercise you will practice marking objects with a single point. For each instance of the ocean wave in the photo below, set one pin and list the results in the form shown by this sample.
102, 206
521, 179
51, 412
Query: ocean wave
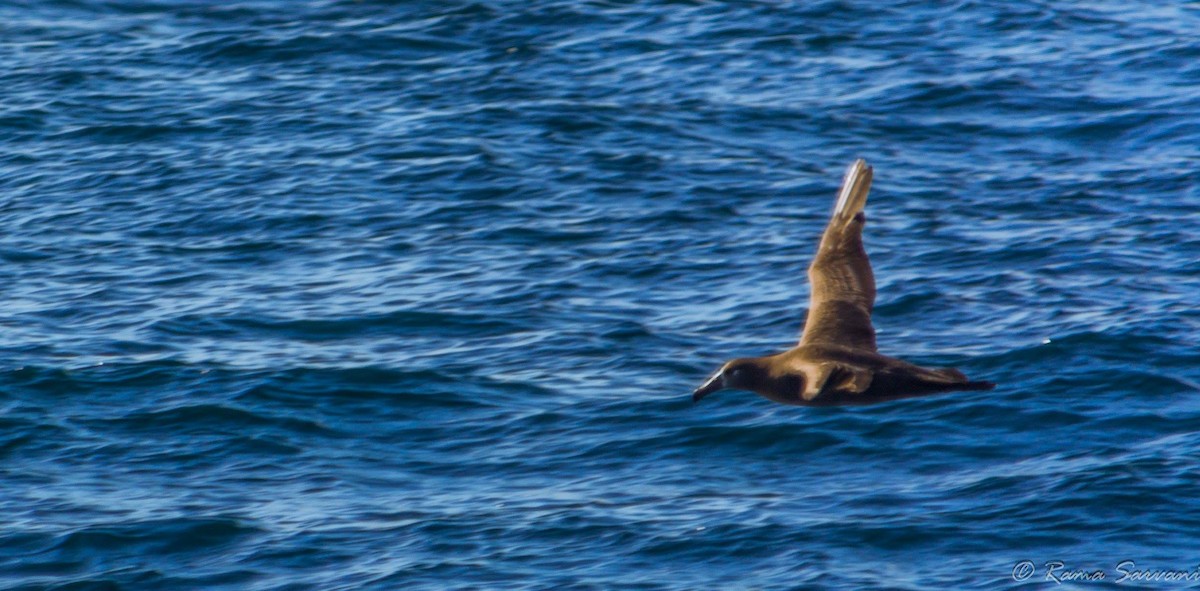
357, 294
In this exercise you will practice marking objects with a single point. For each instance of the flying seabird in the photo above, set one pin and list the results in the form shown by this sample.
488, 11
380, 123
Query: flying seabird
836, 361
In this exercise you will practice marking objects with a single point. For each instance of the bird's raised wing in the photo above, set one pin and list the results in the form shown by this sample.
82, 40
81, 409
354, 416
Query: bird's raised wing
843, 286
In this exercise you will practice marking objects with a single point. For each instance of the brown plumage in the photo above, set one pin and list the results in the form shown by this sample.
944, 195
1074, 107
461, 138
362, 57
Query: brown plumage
836, 361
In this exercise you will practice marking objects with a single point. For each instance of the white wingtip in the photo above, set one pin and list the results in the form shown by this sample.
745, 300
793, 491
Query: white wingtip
855, 186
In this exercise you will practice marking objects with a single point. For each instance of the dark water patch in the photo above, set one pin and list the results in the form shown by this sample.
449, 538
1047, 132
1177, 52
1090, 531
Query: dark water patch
364, 295
1087, 347
211, 418
371, 387
131, 132
23, 256
154, 374
912, 303
402, 323
538, 236
173, 536
768, 440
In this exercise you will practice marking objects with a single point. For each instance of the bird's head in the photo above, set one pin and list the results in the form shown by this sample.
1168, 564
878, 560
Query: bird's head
739, 374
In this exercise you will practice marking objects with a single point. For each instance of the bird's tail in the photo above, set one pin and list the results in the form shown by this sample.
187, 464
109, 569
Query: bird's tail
853, 196
956, 380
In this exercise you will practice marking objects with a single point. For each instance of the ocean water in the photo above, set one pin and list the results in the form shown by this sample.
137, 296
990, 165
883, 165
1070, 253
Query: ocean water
340, 295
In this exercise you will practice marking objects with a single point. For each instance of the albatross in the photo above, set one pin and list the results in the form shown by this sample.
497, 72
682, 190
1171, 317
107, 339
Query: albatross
836, 361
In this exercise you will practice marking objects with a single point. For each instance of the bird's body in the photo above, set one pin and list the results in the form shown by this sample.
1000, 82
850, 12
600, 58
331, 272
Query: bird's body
830, 375
836, 361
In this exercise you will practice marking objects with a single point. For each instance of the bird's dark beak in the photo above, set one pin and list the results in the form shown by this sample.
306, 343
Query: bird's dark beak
717, 382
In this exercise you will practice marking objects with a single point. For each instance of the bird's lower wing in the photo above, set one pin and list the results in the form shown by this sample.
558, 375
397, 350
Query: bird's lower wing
843, 286
822, 378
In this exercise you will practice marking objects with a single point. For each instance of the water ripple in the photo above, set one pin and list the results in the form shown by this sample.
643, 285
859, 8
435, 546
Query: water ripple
364, 295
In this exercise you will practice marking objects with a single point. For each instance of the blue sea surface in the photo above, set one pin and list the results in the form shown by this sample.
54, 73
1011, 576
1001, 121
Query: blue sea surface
334, 294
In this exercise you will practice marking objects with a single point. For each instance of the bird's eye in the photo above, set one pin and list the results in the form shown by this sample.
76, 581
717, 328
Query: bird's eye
737, 373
